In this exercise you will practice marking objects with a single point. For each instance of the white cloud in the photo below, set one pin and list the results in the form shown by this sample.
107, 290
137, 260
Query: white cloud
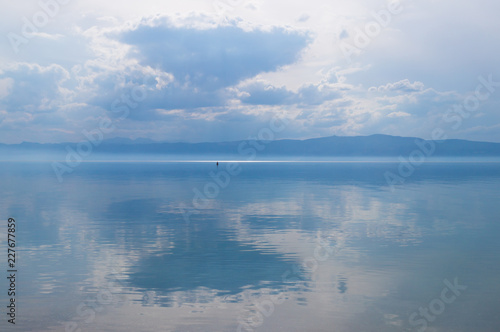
47, 35
398, 114
401, 86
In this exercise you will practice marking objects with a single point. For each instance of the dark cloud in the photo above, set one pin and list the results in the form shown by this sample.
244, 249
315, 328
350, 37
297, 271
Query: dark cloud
206, 61
213, 58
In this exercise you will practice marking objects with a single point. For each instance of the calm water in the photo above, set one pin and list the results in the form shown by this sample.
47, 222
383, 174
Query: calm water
282, 247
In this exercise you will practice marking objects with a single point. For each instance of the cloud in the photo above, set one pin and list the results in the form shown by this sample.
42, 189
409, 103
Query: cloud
47, 35
205, 61
5, 87
398, 114
185, 72
317, 94
32, 88
260, 93
401, 86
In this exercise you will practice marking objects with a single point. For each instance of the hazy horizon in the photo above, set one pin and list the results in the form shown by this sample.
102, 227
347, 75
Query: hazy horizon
143, 140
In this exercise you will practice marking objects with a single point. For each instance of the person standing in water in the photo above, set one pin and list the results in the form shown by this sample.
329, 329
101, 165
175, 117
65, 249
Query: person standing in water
217, 164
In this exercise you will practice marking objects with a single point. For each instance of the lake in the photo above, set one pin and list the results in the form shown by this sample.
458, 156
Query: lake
256, 246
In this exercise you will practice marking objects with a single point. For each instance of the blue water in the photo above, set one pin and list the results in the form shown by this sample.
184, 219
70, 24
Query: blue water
276, 247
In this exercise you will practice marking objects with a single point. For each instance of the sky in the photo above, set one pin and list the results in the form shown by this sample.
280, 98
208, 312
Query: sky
220, 70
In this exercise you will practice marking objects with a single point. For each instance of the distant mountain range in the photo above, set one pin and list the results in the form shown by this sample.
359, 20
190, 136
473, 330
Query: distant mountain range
333, 146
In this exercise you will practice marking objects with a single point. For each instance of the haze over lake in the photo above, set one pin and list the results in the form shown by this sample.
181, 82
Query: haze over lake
282, 246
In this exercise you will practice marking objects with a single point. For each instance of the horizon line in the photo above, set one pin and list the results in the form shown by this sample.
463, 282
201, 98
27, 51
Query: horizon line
243, 140
476, 160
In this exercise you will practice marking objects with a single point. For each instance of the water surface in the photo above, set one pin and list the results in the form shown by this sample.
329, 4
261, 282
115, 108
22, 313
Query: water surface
279, 246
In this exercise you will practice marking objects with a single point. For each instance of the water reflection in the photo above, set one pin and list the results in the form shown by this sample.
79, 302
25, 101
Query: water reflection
207, 259
291, 246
